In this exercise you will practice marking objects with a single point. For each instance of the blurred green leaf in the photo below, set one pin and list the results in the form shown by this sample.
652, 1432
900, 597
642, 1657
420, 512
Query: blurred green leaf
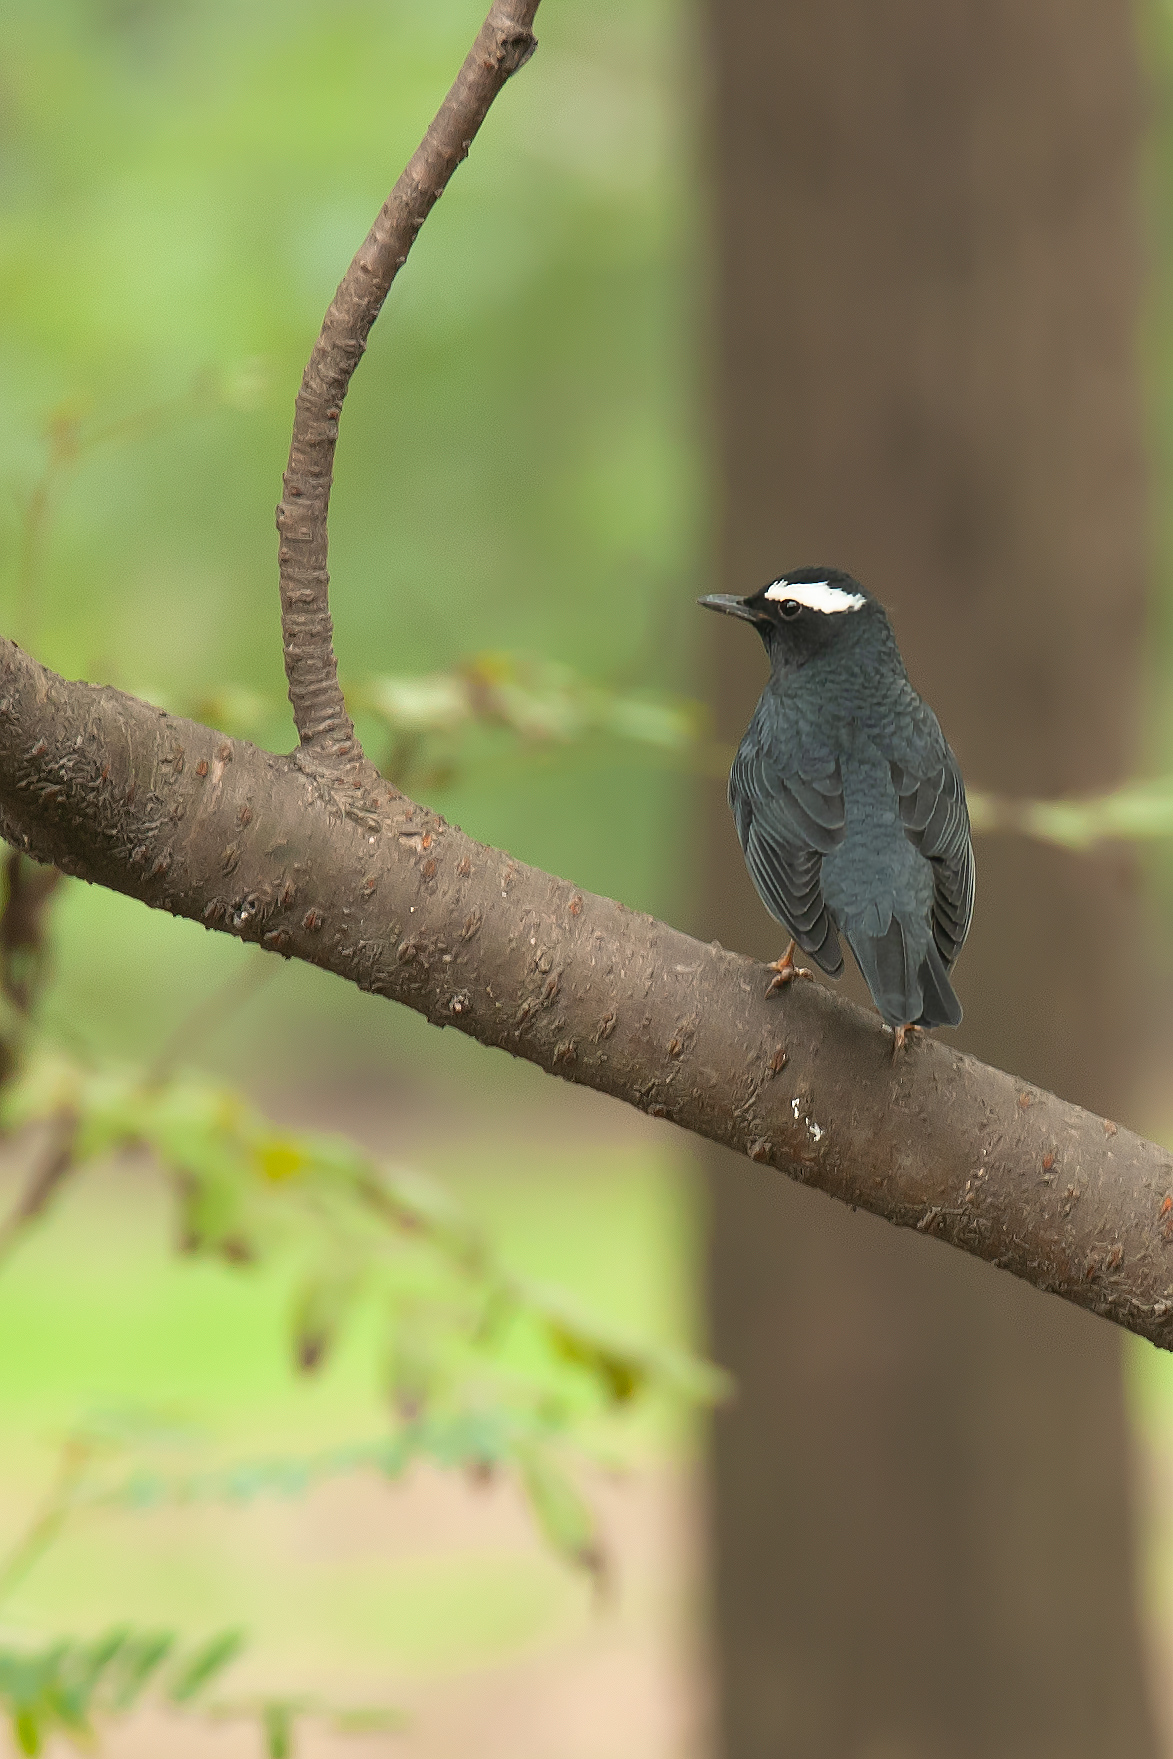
232, 709
369, 1719
484, 1371
277, 1721
623, 1375
195, 1675
540, 703
215, 186
26, 1726
1135, 812
322, 1304
141, 1658
60, 1688
562, 1513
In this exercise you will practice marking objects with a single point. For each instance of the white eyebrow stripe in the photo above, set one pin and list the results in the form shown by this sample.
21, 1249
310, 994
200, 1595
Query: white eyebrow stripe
817, 595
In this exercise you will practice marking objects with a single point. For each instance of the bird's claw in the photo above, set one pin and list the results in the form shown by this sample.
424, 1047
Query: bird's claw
900, 1039
785, 970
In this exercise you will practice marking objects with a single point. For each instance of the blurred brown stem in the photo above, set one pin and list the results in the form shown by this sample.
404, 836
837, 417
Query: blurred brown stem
23, 949
52, 1164
210, 1013
69, 439
62, 435
45, 1527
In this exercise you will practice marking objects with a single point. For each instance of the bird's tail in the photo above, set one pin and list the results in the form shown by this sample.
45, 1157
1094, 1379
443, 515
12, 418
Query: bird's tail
939, 1004
907, 994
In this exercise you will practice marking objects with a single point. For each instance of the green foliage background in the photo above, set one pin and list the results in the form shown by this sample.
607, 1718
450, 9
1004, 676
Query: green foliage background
521, 468
183, 183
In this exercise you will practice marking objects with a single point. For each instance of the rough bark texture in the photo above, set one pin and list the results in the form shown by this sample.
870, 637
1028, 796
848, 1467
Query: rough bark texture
504, 44
930, 271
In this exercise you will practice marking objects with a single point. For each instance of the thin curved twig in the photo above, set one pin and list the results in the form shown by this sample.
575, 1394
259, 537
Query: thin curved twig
505, 42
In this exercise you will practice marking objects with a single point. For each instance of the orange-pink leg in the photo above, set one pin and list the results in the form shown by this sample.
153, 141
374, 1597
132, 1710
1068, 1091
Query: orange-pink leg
900, 1037
785, 970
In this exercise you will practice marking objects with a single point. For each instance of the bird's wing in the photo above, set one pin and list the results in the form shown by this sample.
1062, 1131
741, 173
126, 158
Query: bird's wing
789, 812
936, 820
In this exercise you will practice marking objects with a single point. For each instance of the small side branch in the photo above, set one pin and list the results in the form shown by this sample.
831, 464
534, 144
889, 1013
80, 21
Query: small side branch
505, 42
53, 1163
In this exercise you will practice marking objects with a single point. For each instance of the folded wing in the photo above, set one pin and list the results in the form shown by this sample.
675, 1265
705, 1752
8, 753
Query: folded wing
936, 821
789, 814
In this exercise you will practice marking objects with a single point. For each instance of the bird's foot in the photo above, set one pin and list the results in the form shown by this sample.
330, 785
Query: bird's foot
900, 1038
785, 970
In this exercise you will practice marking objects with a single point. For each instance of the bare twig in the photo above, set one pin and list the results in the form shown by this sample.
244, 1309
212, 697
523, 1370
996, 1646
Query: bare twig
23, 950
505, 43
78, 1454
61, 432
23, 943
54, 1161
210, 1013
70, 437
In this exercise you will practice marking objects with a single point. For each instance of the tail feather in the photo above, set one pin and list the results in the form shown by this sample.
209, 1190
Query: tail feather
906, 994
889, 971
940, 1006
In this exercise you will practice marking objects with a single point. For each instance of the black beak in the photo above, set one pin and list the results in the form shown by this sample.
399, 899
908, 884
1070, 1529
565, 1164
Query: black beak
732, 607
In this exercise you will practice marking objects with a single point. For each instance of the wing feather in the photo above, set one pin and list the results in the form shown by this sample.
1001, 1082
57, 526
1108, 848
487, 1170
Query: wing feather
789, 814
936, 821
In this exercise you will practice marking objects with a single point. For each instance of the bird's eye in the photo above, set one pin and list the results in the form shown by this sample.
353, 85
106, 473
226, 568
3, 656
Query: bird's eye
789, 608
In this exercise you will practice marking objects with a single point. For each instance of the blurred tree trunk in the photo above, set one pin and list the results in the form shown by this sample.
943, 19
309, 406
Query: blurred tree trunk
929, 273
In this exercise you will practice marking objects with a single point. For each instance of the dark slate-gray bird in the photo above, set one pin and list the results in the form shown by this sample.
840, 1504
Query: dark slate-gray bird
848, 801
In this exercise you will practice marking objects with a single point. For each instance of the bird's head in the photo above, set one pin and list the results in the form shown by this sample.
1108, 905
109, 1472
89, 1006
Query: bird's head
802, 612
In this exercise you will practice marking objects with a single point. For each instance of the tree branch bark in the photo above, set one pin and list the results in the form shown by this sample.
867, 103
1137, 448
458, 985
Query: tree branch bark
505, 43
354, 877
323, 860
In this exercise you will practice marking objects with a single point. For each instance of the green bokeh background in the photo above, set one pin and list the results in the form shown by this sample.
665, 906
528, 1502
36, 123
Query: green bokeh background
519, 465
522, 466
182, 184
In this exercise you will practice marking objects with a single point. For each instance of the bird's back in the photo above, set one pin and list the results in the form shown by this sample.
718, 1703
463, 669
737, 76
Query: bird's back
879, 889
851, 813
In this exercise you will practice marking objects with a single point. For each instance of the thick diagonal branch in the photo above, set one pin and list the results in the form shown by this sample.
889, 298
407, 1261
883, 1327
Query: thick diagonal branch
364, 883
505, 42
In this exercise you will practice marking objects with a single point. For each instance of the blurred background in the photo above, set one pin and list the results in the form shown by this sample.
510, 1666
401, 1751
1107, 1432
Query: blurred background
719, 291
